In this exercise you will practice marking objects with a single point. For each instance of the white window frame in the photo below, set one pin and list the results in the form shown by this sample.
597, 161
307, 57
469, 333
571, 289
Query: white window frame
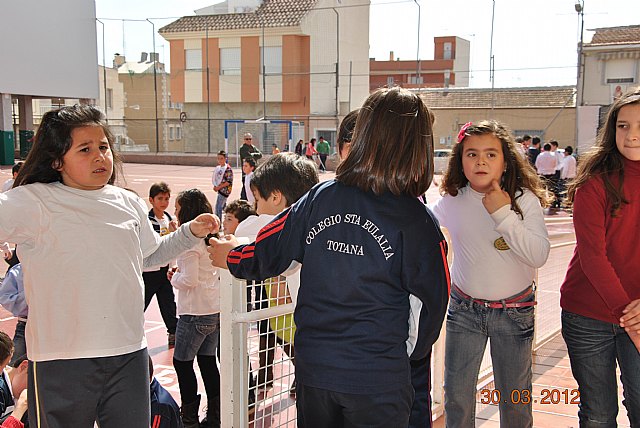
271, 59
193, 59
447, 53
230, 61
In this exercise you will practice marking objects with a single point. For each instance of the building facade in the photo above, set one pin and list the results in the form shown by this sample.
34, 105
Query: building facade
548, 112
450, 67
303, 61
609, 65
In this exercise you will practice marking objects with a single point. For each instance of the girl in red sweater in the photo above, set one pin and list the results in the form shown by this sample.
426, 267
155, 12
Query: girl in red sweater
600, 296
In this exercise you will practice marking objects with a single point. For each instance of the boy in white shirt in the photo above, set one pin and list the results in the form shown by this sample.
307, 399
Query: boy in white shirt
222, 182
248, 166
276, 185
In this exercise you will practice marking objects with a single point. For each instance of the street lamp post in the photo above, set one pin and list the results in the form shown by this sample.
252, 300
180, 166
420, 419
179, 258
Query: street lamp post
492, 70
155, 83
579, 7
418, 48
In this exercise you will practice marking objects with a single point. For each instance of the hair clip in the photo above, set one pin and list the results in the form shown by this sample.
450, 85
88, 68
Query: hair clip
408, 114
463, 131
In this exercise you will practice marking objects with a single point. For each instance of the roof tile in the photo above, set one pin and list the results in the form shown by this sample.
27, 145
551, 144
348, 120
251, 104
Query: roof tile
271, 13
615, 35
541, 97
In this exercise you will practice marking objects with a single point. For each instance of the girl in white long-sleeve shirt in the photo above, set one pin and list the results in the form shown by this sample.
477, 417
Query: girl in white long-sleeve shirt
492, 208
83, 243
198, 329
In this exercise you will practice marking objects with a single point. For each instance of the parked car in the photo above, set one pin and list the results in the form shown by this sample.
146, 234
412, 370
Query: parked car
441, 160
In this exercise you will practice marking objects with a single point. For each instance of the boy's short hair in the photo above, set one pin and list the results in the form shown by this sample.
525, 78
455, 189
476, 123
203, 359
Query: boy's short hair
568, 150
251, 161
240, 209
553, 143
222, 153
6, 346
287, 173
157, 188
16, 168
546, 147
535, 140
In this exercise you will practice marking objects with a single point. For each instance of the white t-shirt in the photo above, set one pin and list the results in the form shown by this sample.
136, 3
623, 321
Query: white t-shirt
559, 159
7, 185
479, 269
197, 282
546, 163
247, 186
247, 232
82, 253
569, 166
250, 226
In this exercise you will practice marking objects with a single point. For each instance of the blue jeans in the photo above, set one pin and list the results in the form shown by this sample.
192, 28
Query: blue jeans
221, 202
594, 347
196, 335
510, 330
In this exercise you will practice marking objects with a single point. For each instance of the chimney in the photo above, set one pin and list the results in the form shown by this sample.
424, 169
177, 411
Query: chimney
143, 57
154, 56
390, 55
118, 60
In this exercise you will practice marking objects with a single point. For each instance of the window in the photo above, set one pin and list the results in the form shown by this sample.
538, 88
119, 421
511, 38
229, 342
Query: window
230, 61
178, 133
109, 98
171, 132
620, 71
390, 81
414, 80
447, 50
271, 59
193, 59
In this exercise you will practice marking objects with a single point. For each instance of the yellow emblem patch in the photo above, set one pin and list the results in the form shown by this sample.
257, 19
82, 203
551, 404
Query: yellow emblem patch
500, 244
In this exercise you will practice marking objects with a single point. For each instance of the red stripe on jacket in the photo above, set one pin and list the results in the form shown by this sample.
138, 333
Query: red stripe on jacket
443, 251
271, 228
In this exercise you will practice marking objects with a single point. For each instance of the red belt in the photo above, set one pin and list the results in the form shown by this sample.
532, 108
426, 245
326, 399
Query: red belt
511, 302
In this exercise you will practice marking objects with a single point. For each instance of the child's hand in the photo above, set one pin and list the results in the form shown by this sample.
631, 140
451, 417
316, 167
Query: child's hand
204, 224
171, 271
6, 250
495, 198
631, 318
219, 249
173, 225
21, 406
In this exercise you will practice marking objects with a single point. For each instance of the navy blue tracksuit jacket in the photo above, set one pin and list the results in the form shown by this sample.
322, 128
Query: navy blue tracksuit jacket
362, 257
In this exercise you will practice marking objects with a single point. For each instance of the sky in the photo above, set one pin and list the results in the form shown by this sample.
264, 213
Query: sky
534, 41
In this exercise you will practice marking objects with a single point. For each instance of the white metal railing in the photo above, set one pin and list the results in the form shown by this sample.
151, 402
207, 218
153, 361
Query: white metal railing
276, 408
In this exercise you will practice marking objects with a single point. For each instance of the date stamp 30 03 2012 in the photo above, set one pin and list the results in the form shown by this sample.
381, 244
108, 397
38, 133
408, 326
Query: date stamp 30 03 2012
524, 396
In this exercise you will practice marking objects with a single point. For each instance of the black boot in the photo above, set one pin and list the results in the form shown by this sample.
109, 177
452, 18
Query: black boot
212, 420
189, 413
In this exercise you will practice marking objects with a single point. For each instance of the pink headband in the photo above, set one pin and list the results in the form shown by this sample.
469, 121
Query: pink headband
463, 131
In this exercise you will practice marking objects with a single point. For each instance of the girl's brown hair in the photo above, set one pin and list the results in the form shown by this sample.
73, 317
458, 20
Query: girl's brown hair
519, 174
392, 145
53, 140
605, 160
